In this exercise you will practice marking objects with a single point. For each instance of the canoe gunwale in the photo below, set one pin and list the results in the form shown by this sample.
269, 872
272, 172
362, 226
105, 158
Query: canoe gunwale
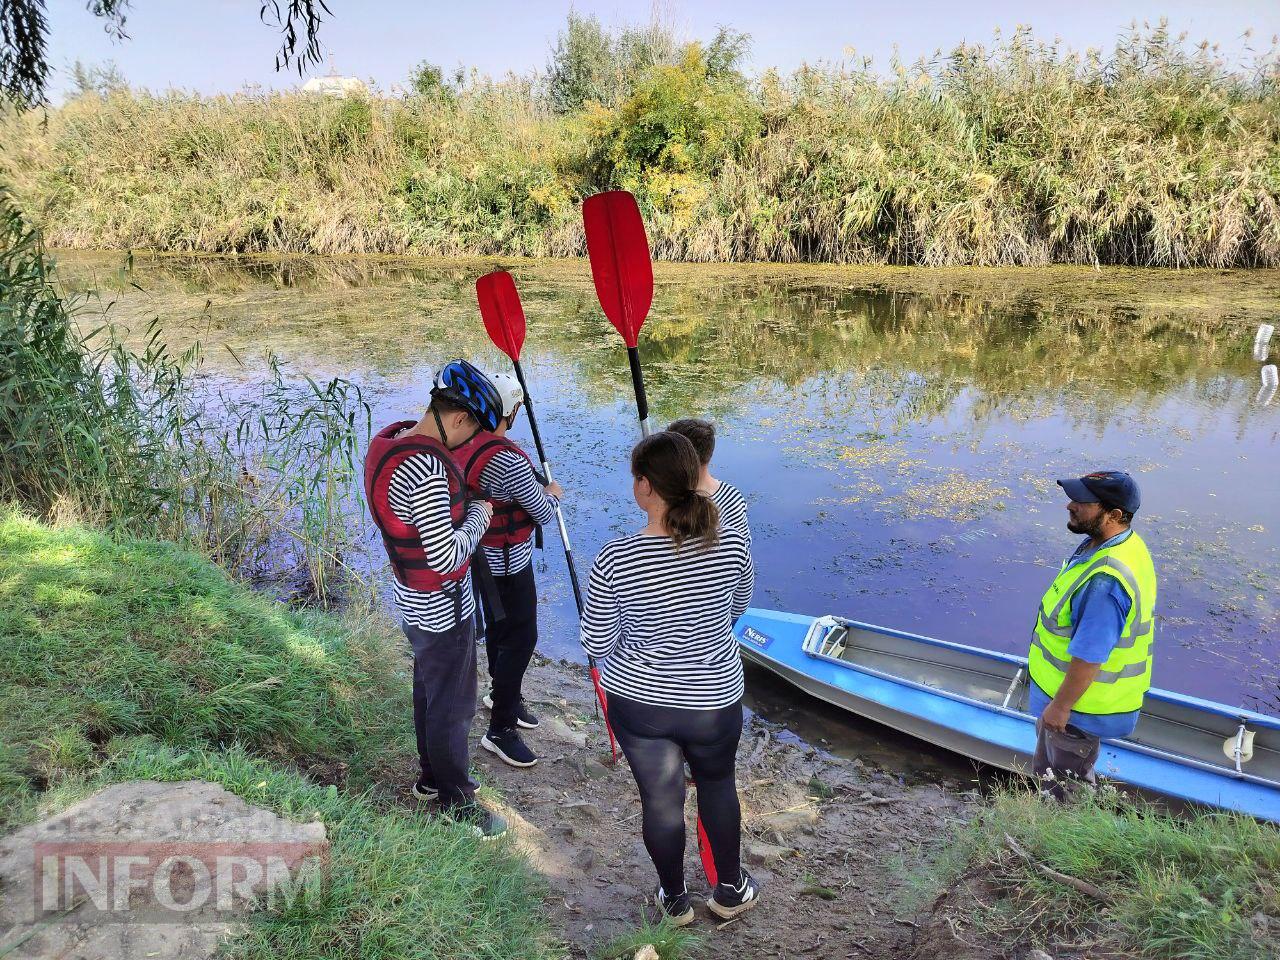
1238, 714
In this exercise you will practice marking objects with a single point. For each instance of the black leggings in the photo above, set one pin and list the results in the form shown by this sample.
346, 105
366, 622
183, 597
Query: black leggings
657, 741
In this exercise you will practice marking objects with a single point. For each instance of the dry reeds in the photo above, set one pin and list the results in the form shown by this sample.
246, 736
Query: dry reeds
1025, 153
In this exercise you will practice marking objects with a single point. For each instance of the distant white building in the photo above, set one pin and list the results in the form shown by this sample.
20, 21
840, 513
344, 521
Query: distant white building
334, 85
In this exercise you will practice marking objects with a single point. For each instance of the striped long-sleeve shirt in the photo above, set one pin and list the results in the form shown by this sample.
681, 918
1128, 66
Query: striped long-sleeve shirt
419, 495
733, 509
662, 619
509, 476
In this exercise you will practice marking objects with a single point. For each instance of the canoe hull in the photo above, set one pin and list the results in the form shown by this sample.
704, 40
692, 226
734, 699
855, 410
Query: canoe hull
998, 733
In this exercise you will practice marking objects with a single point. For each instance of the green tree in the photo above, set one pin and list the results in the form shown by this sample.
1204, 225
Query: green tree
97, 80
726, 53
427, 81
677, 127
582, 58
591, 65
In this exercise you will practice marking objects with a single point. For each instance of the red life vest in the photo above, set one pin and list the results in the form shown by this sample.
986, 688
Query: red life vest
403, 543
511, 523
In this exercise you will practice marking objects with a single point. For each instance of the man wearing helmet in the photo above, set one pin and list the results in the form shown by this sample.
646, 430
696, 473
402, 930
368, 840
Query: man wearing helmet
522, 505
417, 497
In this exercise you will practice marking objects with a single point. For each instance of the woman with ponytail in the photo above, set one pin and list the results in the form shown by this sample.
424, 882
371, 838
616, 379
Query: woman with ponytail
661, 604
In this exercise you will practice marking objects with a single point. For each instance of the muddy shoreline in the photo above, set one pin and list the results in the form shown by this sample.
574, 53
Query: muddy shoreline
831, 838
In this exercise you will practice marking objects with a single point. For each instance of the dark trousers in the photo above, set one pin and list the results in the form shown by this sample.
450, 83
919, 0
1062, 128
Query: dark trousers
1064, 760
509, 642
444, 704
657, 741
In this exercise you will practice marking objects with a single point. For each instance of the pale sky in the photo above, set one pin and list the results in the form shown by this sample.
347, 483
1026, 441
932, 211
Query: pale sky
220, 45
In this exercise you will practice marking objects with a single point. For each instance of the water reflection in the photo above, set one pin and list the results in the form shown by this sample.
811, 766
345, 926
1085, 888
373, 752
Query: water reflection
896, 432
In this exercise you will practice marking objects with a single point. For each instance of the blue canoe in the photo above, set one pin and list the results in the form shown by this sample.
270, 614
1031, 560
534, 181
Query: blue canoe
974, 702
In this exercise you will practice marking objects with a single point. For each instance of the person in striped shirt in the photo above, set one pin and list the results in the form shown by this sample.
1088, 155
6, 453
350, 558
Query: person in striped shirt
417, 497
660, 609
522, 505
727, 498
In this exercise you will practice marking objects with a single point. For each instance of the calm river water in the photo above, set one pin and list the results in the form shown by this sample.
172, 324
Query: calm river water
896, 432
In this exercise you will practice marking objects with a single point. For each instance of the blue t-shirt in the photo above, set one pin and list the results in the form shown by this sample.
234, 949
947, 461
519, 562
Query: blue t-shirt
1098, 613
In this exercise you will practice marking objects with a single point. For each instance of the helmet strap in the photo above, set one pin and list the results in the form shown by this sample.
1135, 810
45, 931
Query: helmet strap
444, 437
462, 443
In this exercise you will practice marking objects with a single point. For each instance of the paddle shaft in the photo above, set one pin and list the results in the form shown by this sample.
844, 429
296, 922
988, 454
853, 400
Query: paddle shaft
568, 553
637, 381
546, 467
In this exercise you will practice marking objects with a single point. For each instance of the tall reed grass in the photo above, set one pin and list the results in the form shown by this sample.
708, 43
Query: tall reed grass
263, 483
1025, 152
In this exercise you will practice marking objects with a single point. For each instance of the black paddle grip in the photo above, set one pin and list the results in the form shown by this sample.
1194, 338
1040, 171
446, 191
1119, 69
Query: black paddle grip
573, 579
637, 380
528, 408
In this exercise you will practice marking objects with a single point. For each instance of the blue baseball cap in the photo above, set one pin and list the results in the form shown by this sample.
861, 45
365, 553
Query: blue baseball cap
1111, 488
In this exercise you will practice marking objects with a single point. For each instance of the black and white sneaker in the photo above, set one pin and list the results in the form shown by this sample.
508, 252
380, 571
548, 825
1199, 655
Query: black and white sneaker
677, 908
728, 900
486, 824
524, 717
425, 791
509, 747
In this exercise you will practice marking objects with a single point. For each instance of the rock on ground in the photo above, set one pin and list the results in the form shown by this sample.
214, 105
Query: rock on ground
147, 869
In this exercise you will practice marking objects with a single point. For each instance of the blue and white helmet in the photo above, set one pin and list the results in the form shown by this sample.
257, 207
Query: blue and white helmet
461, 383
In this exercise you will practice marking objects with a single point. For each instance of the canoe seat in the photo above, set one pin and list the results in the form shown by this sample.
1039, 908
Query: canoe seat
833, 644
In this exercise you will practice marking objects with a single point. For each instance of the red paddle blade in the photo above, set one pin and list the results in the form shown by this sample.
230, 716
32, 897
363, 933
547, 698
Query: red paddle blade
501, 311
620, 262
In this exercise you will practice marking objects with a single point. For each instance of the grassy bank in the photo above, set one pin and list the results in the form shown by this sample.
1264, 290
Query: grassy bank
1152, 153
126, 659
1203, 887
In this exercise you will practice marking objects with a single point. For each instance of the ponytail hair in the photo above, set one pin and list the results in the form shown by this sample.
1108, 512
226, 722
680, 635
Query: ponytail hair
671, 465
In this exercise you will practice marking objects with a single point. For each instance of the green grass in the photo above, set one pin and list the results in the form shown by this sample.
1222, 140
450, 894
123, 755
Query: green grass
1201, 887
124, 659
401, 884
1151, 153
108, 637
670, 942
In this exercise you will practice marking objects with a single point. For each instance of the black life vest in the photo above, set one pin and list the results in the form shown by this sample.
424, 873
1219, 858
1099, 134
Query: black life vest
402, 540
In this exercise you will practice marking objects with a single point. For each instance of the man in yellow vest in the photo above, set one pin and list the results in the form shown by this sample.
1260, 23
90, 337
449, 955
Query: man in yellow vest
1090, 658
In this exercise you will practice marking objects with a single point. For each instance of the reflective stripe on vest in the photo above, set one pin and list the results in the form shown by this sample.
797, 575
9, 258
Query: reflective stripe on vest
1126, 675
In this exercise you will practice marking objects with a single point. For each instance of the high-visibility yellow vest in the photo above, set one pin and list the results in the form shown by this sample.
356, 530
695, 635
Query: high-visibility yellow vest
1126, 675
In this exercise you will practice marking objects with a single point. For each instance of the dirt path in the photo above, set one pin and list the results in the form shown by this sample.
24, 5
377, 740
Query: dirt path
827, 837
